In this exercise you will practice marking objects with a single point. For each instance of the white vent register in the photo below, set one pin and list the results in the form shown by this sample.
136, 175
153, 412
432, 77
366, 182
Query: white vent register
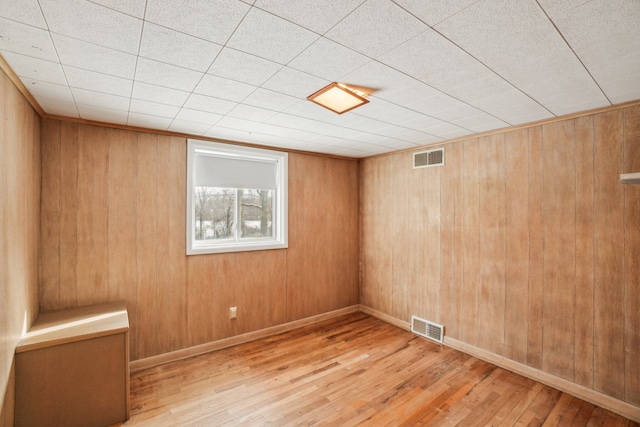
427, 329
429, 158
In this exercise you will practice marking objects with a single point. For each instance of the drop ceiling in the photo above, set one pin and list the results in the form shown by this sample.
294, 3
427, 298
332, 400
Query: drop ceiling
241, 70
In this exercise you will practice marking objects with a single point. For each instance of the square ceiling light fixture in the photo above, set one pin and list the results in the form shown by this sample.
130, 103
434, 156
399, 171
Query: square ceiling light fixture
338, 98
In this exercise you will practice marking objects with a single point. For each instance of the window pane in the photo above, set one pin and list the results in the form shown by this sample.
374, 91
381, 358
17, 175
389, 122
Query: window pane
214, 213
256, 208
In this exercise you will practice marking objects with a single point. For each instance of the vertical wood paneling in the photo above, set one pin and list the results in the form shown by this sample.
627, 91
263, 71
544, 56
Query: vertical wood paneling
50, 208
632, 257
471, 242
146, 211
163, 265
583, 353
536, 248
516, 245
68, 215
122, 274
122, 232
413, 260
200, 299
430, 294
93, 208
457, 158
401, 228
447, 245
258, 312
559, 249
20, 207
609, 255
323, 213
177, 292
491, 176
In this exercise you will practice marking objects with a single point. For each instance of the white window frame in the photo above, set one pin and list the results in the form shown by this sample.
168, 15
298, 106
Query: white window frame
279, 215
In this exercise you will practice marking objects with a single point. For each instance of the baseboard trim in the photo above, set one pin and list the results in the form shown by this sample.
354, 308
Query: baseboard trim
161, 359
625, 409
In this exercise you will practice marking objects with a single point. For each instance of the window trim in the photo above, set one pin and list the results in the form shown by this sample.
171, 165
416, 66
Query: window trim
280, 214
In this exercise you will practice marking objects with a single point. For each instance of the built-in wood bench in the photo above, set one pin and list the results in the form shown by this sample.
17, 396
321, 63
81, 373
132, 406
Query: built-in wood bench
72, 368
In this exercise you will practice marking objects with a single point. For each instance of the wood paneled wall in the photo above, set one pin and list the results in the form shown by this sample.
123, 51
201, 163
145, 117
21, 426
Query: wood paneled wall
113, 225
19, 230
523, 244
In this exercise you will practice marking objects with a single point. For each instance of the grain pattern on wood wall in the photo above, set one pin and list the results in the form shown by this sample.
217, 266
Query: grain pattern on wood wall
19, 230
115, 209
532, 246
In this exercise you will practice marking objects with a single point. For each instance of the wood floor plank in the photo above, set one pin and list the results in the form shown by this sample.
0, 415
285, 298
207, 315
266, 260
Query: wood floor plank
353, 370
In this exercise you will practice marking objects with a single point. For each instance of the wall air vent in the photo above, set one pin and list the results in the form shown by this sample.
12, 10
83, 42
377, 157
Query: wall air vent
427, 329
426, 159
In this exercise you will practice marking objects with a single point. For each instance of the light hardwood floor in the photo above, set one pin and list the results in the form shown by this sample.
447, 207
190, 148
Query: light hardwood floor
351, 370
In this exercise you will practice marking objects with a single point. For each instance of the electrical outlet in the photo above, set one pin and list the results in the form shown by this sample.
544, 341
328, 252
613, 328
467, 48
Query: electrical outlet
233, 311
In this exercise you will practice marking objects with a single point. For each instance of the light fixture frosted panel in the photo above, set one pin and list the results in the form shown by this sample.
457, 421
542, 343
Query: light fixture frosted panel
337, 98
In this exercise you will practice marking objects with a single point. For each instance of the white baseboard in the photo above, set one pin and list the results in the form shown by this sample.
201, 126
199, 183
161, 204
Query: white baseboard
161, 359
625, 409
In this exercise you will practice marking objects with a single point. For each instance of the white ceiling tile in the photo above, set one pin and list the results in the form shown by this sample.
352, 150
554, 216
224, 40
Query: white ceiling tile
610, 50
159, 94
388, 112
444, 66
295, 83
249, 112
483, 65
187, 114
24, 11
376, 27
166, 75
310, 110
26, 40
620, 80
285, 132
212, 20
270, 100
315, 15
185, 126
270, 37
153, 109
209, 104
130, 7
28, 67
238, 124
529, 56
219, 87
449, 131
434, 11
511, 107
53, 98
93, 23
172, 47
81, 54
557, 7
243, 67
389, 84
90, 80
56, 107
228, 133
147, 121
105, 115
104, 100
313, 126
328, 60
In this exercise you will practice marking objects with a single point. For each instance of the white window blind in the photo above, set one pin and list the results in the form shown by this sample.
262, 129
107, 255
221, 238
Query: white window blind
227, 172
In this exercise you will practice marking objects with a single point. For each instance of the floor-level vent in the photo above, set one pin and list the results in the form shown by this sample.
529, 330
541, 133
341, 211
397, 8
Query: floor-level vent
426, 159
427, 329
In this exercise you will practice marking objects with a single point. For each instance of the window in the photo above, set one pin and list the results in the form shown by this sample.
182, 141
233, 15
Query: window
236, 198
